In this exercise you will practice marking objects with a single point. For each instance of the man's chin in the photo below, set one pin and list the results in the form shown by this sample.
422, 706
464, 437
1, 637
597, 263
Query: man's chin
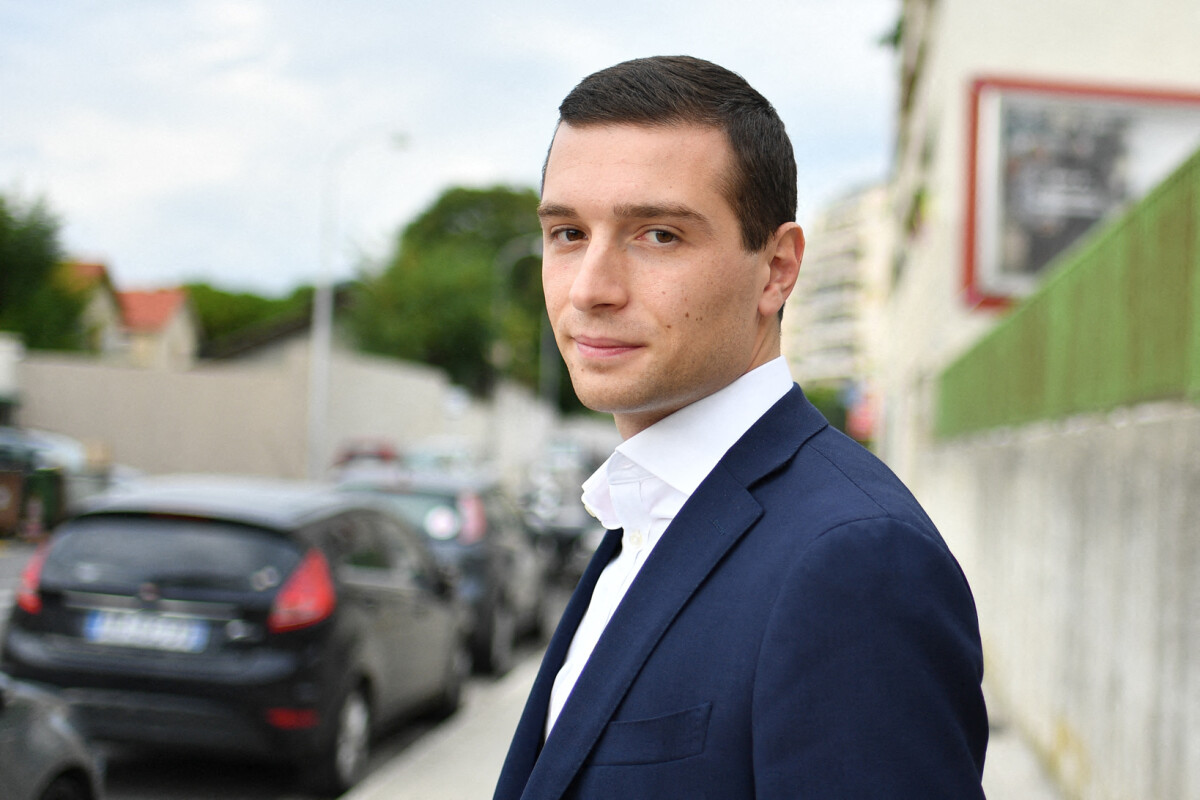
603, 401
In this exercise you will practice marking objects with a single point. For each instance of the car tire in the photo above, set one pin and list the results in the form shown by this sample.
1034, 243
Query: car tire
64, 787
342, 759
497, 659
457, 671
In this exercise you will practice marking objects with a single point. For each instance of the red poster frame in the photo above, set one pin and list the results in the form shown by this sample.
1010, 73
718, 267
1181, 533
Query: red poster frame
976, 295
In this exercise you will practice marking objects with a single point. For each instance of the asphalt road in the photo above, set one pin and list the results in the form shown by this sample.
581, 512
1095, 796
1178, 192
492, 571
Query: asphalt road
133, 776
457, 759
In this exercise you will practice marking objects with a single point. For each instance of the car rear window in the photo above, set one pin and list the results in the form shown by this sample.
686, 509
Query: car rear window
117, 552
435, 513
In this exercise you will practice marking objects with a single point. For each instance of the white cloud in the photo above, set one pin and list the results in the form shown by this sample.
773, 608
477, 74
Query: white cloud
187, 139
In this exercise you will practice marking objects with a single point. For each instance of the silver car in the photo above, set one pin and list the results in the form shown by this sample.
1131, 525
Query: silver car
41, 755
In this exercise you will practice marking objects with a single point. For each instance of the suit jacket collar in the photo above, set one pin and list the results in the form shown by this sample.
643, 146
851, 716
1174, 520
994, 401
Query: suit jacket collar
710, 523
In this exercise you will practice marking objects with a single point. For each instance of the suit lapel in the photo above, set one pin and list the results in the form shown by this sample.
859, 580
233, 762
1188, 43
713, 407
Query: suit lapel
710, 523
528, 737
687, 552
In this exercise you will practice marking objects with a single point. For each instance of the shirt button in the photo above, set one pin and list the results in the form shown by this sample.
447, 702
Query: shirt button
636, 540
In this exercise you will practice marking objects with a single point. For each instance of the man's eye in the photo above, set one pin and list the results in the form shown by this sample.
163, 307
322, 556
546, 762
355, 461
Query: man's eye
568, 234
661, 237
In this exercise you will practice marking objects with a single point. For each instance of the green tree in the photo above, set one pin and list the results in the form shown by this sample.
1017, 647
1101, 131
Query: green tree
225, 316
449, 297
35, 300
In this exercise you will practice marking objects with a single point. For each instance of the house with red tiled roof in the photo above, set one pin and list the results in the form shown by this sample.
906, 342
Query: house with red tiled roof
101, 317
161, 329
155, 328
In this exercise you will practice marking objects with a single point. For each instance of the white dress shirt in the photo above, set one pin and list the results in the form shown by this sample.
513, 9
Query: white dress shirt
644, 484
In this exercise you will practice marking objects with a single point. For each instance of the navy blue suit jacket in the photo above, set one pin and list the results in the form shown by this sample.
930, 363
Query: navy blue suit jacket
799, 631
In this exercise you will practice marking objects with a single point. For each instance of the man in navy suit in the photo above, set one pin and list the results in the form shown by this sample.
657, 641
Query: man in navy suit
772, 614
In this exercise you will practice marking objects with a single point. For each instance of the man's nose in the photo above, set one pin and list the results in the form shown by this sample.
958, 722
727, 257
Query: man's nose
600, 279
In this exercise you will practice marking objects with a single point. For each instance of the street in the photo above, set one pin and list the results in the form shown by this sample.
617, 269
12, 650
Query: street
457, 759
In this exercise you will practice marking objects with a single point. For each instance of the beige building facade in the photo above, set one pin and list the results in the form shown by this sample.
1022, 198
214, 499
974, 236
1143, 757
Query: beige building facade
946, 48
834, 324
1019, 121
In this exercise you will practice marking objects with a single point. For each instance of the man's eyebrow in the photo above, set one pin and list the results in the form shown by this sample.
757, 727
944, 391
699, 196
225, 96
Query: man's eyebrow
650, 211
546, 210
646, 211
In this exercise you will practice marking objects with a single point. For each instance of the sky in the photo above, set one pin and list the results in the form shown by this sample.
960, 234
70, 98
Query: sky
258, 145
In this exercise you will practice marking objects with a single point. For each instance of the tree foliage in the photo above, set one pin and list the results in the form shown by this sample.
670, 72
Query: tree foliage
225, 315
35, 300
462, 289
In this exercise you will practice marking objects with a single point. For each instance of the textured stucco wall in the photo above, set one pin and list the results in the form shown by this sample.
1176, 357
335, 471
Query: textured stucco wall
1081, 542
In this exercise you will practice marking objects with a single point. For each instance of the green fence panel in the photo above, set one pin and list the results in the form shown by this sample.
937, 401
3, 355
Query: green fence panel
1113, 324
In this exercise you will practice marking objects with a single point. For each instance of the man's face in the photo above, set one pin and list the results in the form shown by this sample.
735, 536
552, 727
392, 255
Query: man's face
654, 302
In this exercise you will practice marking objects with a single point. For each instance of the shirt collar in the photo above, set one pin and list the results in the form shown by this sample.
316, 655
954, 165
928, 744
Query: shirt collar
683, 448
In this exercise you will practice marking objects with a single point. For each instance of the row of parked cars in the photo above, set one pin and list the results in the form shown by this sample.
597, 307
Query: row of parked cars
284, 620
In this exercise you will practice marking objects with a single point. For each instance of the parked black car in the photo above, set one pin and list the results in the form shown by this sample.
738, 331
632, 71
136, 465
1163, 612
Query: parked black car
42, 756
283, 620
474, 529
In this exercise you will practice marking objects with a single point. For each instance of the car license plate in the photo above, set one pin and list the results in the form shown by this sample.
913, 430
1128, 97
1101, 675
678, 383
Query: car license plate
146, 630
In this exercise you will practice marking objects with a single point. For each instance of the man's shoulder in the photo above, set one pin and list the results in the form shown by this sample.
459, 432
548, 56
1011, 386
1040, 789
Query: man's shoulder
834, 479
792, 459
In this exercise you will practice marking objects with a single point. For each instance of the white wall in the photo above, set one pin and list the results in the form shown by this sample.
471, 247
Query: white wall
223, 420
250, 417
11, 352
1079, 540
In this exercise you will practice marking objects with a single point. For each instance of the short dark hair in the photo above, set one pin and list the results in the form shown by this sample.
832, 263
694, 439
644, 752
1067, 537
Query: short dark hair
681, 90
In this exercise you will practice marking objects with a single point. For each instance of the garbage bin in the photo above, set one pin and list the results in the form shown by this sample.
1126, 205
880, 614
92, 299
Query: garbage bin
12, 500
43, 506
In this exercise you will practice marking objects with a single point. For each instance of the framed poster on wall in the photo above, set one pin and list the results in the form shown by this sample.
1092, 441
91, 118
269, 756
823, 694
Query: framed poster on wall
1049, 161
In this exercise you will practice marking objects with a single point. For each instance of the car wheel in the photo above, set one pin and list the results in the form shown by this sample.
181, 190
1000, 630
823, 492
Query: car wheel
342, 760
457, 672
64, 787
502, 634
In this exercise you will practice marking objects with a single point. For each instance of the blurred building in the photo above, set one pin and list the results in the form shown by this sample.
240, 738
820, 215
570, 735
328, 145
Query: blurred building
161, 328
101, 317
1021, 125
1030, 267
833, 324
11, 352
148, 329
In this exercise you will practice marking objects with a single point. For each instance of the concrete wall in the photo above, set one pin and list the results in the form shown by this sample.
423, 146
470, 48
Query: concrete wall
247, 421
250, 417
1079, 539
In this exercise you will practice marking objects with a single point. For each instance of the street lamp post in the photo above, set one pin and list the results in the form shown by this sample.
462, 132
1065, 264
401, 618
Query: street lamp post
512, 251
321, 344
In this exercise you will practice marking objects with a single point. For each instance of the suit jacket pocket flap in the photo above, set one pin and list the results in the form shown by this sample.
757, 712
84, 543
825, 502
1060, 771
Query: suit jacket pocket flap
652, 741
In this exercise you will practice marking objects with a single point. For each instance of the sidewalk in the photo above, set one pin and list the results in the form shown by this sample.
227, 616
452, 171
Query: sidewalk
461, 759
1012, 771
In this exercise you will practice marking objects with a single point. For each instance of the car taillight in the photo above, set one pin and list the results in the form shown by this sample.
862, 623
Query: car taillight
28, 597
306, 598
292, 719
474, 518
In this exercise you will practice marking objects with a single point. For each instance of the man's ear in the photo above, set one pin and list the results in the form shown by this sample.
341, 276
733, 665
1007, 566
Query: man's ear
785, 251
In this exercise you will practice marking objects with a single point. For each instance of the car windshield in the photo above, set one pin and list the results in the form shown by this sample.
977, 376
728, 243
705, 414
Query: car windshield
113, 552
435, 513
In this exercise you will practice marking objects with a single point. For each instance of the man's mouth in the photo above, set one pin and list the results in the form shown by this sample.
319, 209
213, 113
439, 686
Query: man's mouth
602, 347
